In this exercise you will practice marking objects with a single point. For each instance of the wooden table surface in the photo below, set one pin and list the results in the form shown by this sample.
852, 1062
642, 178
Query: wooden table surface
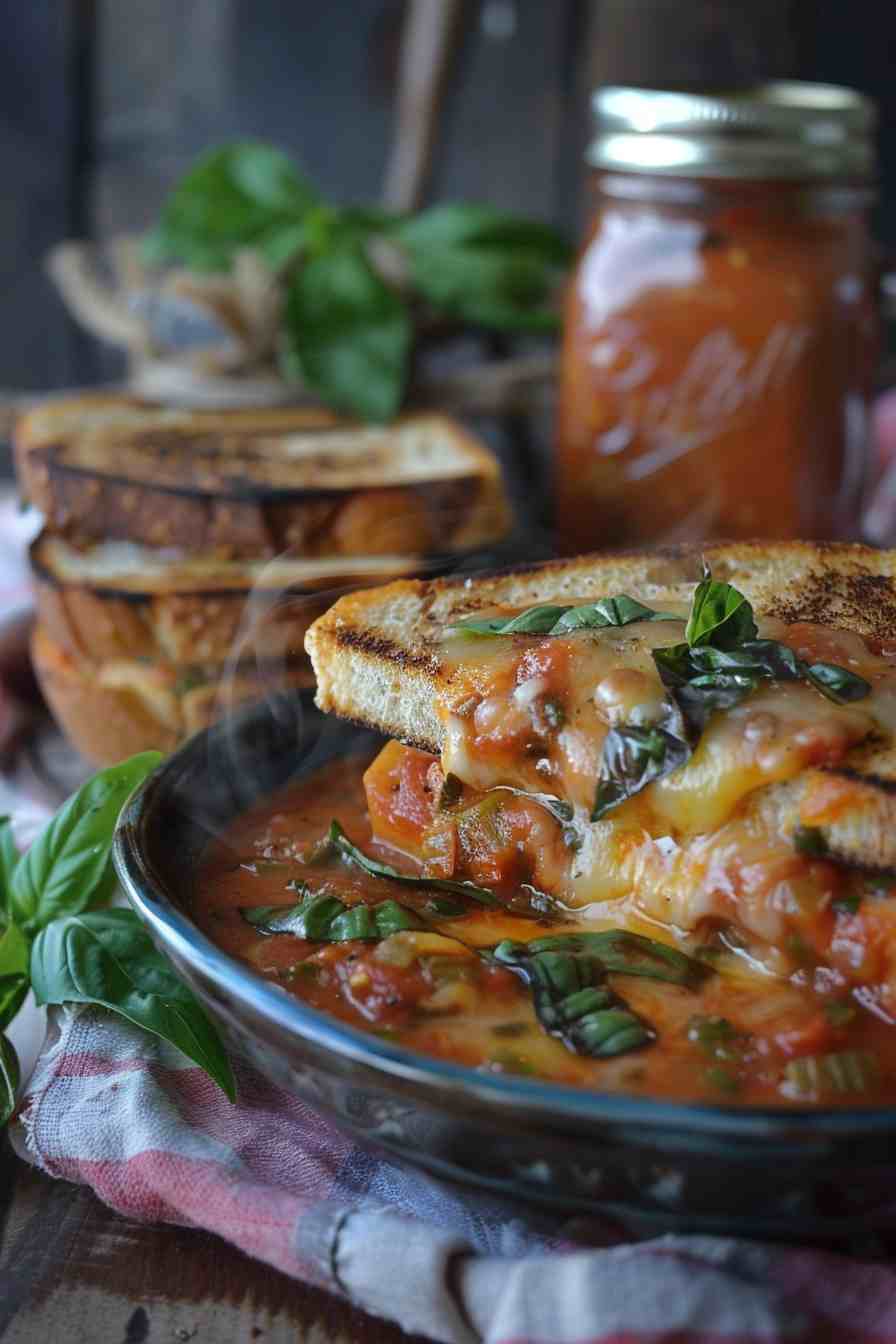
74, 1272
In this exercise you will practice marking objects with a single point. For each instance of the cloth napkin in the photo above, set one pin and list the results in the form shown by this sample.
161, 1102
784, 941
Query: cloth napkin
120, 1111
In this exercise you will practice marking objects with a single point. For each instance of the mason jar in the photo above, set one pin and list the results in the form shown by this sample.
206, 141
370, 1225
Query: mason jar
720, 332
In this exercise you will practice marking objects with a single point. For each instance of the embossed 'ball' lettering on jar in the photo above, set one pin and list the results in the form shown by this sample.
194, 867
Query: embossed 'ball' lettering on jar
721, 326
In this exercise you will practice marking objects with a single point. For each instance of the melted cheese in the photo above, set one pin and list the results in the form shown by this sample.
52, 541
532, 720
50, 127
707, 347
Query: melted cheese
695, 844
597, 678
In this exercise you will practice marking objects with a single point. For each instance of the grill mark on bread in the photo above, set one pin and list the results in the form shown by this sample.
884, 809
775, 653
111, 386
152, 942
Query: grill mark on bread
380, 646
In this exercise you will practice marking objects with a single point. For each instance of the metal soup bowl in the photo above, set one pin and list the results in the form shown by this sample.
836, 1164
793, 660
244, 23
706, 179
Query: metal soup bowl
778, 1172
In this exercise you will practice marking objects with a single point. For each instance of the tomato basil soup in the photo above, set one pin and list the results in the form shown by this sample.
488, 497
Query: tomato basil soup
393, 898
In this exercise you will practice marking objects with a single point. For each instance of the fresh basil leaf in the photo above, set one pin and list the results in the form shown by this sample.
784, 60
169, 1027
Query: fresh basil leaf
534, 621
10, 1077
836, 683
9, 857
348, 333
621, 610
698, 694
632, 758
310, 918
623, 953
394, 918
325, 919
68, 865
106, 957
242, 195
572, 1000
455, 224
13, 993
500, 287
720, 615
756, 657
705, 679
485, 267
444, 909
14, 959
350, 854
554, 620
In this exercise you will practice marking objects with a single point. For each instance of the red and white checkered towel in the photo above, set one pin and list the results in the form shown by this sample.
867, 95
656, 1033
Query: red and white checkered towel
124, 1113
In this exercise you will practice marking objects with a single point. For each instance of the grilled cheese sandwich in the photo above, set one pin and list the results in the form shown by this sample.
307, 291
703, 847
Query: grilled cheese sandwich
605, 748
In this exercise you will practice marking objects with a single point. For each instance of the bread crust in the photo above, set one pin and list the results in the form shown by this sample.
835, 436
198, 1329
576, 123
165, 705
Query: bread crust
108, 722
158, 616
205, 481
57, 419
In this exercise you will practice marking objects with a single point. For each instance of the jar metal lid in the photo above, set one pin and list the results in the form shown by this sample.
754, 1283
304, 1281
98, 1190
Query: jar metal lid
783, 130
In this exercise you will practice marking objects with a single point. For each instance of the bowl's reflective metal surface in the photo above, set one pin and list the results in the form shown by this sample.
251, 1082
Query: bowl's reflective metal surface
698, 1167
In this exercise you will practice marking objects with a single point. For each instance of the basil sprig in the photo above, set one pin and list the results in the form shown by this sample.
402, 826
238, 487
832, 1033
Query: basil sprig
705, 679
567, 976
353, 856
558, 620
347, 327
720, 662
52, 941
321, 918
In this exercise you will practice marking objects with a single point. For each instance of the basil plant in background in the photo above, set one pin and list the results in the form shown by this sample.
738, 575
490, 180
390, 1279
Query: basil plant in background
58, 940
359, 284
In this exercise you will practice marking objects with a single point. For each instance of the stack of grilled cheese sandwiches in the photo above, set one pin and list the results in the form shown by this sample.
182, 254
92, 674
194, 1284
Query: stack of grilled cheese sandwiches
186, 553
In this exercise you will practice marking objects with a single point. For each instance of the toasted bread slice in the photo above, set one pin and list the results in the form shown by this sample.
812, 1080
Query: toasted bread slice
422, 485
121, 706
380, 658
102, 416
120, 600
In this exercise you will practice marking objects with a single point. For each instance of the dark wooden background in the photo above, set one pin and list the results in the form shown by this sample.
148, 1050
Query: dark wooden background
104, 103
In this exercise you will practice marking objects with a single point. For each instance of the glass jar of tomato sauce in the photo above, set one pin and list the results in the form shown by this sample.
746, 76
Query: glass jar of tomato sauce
720, 330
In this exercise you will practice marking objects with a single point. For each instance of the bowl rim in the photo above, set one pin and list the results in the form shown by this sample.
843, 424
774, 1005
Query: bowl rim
177, 934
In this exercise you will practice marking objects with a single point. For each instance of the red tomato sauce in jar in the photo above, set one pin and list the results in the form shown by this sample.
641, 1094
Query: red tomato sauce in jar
720, 333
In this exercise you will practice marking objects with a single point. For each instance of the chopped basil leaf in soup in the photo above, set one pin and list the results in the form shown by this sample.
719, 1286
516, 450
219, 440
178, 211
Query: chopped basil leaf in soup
322, 918
567, 975
351, 855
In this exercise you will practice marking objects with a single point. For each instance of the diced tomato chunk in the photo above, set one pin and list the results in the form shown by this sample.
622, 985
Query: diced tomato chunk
402, 796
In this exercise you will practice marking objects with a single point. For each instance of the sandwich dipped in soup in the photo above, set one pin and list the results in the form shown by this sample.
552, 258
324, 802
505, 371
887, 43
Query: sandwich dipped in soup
632, 828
